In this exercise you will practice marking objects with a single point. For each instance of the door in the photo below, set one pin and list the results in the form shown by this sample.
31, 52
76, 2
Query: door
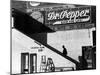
24, 63
33, 63
87, 53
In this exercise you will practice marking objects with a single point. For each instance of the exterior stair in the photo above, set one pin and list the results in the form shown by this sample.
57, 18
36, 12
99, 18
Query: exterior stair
29, 26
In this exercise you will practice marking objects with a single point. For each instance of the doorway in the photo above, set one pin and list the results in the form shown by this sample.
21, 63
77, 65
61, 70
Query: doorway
33, 63
28, 63
87, 53
24, 63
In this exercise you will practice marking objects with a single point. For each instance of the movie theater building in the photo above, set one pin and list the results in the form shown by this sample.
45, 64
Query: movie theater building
39, 33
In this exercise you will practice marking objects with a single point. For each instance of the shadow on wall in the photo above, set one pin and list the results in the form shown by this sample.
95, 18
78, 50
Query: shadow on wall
41, 37
26, 24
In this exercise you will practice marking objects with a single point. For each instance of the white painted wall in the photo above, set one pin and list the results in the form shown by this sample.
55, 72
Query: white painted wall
73, 41
22, 43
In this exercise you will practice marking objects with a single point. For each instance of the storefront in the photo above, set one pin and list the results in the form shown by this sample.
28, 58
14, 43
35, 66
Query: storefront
37, 52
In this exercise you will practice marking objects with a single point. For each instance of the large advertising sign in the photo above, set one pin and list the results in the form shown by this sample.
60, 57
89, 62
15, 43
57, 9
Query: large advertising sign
68, 16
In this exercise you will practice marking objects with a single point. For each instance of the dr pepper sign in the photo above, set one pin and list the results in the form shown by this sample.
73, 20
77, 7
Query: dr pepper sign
68, 16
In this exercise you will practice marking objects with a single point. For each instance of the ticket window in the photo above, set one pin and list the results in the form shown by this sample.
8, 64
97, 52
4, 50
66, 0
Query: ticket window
24, 63
33, 63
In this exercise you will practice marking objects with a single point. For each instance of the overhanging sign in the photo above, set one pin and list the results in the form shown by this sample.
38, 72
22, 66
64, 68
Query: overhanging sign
68, 16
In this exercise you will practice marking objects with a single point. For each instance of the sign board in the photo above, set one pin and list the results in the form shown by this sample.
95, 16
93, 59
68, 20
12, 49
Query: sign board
40, 47
44, 6
71, 26
68, 16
